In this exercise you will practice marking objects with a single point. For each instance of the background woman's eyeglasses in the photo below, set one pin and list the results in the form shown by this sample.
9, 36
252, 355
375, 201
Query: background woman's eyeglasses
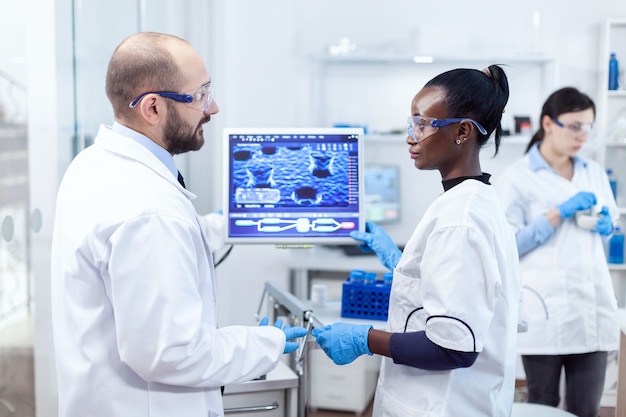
575, 129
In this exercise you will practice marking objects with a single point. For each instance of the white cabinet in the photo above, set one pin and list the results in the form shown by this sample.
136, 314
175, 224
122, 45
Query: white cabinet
348, 388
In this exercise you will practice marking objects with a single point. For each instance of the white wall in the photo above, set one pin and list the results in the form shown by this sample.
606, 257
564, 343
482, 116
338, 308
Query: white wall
264, 74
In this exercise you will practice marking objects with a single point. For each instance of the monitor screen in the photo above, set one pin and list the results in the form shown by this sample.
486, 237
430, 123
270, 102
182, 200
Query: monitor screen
382, 193
293, 186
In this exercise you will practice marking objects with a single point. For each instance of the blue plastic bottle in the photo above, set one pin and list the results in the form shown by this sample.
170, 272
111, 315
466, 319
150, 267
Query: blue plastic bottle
613, 182
613, 72
616, 247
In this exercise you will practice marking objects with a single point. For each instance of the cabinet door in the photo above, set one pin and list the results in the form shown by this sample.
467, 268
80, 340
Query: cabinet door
349, 388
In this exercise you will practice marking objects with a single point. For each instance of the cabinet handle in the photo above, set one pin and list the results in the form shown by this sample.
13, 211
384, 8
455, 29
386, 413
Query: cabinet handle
253, 408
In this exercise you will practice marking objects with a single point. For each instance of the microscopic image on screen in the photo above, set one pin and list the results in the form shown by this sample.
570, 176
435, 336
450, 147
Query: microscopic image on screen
291, 175
293, 185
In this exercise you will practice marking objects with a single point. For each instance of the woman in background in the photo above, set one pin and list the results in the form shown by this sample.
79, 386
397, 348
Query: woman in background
568, 298
449, 346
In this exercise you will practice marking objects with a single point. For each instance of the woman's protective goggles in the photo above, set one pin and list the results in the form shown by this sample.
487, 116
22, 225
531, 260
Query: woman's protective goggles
200, 99
575, 129
421, 127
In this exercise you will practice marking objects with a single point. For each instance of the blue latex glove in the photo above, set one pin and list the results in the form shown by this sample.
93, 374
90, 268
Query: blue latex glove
290, 333
343, 342
605, 223
375, 238
581, 201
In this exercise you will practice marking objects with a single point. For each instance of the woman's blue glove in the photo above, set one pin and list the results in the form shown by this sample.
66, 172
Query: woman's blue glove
581, 201
290, 333
605, 223
343, 342
375, 238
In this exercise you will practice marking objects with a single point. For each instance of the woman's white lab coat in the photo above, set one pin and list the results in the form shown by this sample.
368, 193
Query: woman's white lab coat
567, 295
133, 294
458, 280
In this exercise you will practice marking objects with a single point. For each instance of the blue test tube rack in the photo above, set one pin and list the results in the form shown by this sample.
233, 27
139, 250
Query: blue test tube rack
365, 297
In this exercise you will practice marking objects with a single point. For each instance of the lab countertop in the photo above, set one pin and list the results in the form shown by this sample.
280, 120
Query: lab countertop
331, 313
282, 377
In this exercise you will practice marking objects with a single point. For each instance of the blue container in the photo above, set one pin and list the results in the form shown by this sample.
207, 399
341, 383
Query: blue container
365, 301
613, 72
616, 247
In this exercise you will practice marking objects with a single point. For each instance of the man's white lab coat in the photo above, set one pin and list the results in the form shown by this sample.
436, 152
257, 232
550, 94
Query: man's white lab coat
133, 294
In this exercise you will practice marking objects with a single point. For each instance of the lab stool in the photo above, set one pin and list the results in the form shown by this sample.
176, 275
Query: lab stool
538, 410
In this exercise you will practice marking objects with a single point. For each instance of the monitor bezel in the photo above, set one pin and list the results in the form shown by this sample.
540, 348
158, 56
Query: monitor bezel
291, 241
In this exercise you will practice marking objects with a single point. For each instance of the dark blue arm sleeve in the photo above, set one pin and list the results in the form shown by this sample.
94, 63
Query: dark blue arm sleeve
416, 350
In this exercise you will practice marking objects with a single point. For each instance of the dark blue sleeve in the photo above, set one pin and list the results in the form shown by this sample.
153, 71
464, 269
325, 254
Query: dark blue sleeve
416, 350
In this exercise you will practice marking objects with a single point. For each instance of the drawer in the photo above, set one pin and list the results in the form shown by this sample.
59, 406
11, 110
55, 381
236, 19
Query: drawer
259, 399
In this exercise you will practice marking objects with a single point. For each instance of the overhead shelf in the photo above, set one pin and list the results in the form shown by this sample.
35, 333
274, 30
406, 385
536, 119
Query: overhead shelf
433, 59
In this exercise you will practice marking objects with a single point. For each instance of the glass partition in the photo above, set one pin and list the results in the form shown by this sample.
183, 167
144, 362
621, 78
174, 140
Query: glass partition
85, 35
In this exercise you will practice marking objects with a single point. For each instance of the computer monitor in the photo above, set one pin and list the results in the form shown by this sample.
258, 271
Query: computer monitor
293, 186
382, 193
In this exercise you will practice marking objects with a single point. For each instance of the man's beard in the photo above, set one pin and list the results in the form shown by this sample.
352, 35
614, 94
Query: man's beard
180, 137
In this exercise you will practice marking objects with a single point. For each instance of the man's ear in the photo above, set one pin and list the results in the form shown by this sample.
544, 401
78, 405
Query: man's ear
151, 108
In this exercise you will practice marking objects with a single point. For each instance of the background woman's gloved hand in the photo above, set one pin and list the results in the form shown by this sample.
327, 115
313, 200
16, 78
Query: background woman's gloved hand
376, 239
605, 223
583, 200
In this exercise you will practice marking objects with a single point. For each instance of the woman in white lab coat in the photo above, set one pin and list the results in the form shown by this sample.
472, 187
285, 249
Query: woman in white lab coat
133, 288
449, 346
568, 298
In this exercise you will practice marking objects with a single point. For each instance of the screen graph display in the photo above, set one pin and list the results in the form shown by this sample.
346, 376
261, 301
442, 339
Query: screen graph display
293, 186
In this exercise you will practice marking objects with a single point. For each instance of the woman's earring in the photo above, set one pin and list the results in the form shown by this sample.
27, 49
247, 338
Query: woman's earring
458, 141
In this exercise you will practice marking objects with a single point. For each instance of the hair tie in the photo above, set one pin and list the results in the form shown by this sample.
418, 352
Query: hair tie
487, 72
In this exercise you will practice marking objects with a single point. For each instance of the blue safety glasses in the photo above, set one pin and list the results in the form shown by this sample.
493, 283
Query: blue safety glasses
421, 127
200, 99
575, 129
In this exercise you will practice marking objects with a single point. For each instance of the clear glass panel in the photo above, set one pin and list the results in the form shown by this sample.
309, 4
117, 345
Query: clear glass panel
185, 18
16, 351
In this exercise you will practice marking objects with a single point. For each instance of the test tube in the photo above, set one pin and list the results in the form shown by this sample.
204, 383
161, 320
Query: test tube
369, 277
356, 275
